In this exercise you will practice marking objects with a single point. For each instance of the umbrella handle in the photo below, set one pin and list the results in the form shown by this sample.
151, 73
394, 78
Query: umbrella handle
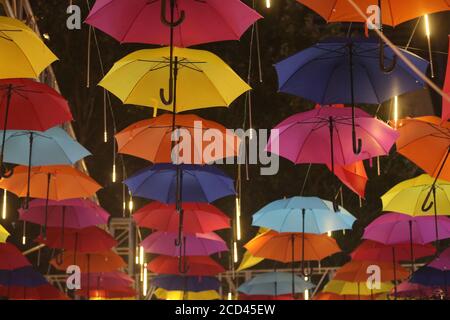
383, 67
5, 172
59, 258
162, 94
171, 23
357, 143
425, 207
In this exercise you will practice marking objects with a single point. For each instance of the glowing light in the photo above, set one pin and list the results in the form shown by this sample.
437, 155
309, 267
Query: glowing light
105, 136
144, 285
137, 255
268, 4
238, 219
230, 296
235, 253
131, 205
114, 175
141, 256
395, 110
306, 293
4, 206
427, 26
330, 233
46, 36
24, 240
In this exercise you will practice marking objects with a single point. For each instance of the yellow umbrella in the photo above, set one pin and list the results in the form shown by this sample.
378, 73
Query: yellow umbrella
3, 234
22, 53
203, 80
355, 288
409, 196
180, 295
248, 261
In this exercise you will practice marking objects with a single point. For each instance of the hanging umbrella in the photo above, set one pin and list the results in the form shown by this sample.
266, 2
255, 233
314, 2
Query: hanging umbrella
22, 52
409, 197
342, 71
407, 289
87, 240
442, 262
275, 284
199, 217
185, 283
355, 288
201, 21
44, 292
204, 80
4, 234
265, 297
22, 277
353, 175
118, 294
200, 244
198, 266
356, 271
248, 261
11, 258
152, 140
108, 281
431, 277
70, 213
333, 296
162, 294
90, 262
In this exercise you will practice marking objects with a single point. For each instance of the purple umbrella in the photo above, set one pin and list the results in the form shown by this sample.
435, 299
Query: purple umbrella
73, 213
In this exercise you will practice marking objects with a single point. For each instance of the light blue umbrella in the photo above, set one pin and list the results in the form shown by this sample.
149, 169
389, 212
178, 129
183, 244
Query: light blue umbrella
303, 214
275, 284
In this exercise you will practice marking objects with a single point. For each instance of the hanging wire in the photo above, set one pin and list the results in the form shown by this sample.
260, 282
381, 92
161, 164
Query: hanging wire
413, 33
305, 180
88, 67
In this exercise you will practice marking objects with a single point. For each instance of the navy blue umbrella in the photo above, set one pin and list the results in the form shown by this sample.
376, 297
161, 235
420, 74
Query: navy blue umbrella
22, 277
184, 283
347, 71
431, 277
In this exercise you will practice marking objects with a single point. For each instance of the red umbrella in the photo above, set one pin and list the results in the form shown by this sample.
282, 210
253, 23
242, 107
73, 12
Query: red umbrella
111, 281
262, 297
199, 217
354, 176
109, 294
198, 266
11, 258
87, 240
44, 292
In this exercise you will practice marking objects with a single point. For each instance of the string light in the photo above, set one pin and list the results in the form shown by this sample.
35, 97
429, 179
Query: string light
105, 136
238, 219
24, 240
141, 256
131, 204
235, 252
395, 111
4, 206
306, 293
427, 26
230, 296
137, 255
144, 284
114, 175
330, 233
428, 34
268, 4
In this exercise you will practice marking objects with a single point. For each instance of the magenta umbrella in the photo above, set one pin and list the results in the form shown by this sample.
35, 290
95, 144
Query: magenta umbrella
442, 262
106, 281
73, 213
195, 21
412, 290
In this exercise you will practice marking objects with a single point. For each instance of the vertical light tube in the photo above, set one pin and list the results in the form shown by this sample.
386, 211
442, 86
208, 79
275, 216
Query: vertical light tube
238, 219
5, 204
268, 4
235, 252
428, 34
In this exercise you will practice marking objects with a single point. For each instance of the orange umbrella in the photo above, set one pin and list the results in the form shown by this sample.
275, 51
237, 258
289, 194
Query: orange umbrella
288, 247
89, 262
152, 139
394, 11
354, 176
333, 296
357, 271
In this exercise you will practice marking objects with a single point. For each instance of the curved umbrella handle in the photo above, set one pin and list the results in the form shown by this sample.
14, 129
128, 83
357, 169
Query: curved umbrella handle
171, 23
425, 207
5, 172
357, 143
59, 258
382, 62
162, 94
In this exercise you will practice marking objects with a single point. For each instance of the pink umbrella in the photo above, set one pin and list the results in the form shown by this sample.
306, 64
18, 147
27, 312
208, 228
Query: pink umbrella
412, 290
73, 213
195, 21
113, 281
442, 262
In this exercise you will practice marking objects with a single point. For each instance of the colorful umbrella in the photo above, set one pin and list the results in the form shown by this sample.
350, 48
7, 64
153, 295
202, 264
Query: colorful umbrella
199, 217
198, 266
70, 213
342, 71
44, 292
204, 80
110, 281
445, 103
162, 294
353, 175
333, 296
89, 262
407, 289
22, 277
11, 258
265, 297
4, 234
431, 277
22, 52
152, 139
275, 284
356, 271
442, 262
356, 288
185, 283
200, 244
201, 21
122, 294
248, 261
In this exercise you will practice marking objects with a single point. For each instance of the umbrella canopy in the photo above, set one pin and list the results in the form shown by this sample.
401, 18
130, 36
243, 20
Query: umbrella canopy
397, 228
204, 80
356, 271
375, 251
198, 266
306, 137
11, 258
407, 289
445, 103
199, 183
274, 284
122, 294
52, 147
185, 283
22, 277
70, 213
151, 139
44, 292
199, 217
4, 234
323, 74
287, 247
162, 294
29, 105
202, 22
87, 240
395, 12
334, 296
199, 244
243, 296
408, 196
22, 52
248, 261
56, 182
89, 262
426, 133
355, 288
303, 214
353, 175
442, 262
431, 277
111, 281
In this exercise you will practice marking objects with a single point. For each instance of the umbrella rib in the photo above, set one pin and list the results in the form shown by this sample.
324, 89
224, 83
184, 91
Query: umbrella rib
371, 82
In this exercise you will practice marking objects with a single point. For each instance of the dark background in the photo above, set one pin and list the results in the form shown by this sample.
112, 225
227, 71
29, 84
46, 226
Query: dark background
287, 28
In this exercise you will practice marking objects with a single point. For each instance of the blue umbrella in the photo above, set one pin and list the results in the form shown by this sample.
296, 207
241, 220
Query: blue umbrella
303, 214
431, 277
184, 283
22, 277
275, 284
347, 71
